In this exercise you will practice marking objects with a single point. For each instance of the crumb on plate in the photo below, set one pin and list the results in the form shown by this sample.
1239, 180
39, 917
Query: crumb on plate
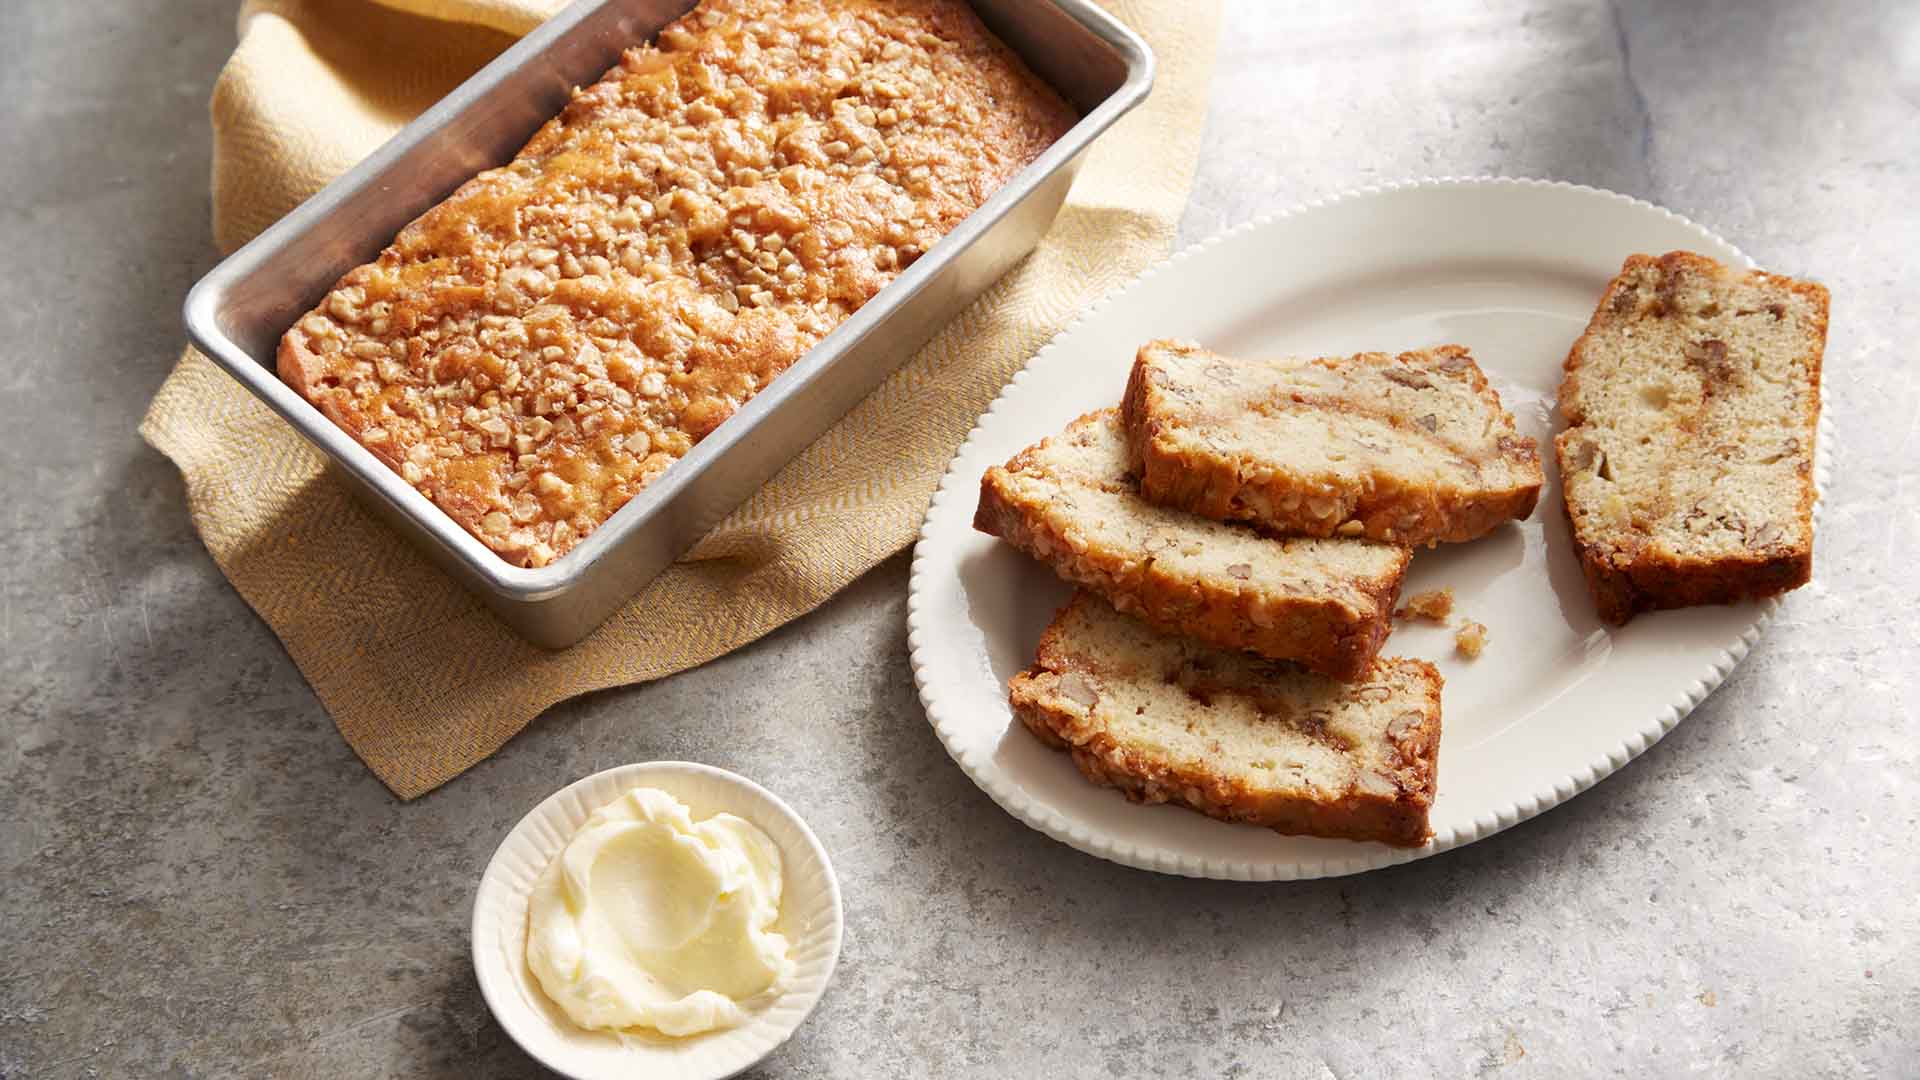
1434, 604
1470, 639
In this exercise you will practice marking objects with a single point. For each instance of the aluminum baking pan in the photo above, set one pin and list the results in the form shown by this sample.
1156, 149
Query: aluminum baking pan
238, 312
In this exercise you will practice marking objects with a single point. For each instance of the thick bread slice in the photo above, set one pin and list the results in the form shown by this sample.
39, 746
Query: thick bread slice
1691, 402
1411, 449
1167, 719
1070, 502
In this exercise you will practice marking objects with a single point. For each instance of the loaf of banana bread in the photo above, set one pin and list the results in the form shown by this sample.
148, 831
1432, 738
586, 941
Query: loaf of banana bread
1692, 402
538, 348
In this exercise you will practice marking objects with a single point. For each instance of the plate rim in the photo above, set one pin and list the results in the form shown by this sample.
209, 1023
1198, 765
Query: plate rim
1366, 856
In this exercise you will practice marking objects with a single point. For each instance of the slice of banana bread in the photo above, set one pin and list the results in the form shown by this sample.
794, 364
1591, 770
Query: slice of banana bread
1236, 737
1691, 403
1411, 449
1070, 502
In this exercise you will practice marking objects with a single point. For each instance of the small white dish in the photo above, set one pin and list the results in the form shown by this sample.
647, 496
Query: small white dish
1511, 269
810, 917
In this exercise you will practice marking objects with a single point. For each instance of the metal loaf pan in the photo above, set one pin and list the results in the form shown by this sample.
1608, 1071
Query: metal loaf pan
238, 312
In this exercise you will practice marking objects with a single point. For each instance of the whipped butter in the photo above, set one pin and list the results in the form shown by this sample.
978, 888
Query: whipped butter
649, 919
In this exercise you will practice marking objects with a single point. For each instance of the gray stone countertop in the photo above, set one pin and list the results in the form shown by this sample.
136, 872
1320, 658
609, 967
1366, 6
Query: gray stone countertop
197, 878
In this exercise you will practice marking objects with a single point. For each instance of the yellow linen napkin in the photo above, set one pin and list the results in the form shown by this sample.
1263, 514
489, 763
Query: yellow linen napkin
423, 681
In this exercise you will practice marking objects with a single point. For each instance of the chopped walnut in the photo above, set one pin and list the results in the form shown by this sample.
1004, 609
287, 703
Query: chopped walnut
1080, 688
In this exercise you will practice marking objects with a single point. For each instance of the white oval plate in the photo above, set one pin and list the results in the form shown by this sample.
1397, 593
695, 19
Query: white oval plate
1510, 268
810, 917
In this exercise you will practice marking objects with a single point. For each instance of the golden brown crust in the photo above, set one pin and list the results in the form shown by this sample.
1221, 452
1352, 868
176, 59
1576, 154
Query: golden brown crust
300, 368
1397, 820
541, 346
1388, 506
1625, 584
1396, 814
1400, 820
1627, 575
1336, 635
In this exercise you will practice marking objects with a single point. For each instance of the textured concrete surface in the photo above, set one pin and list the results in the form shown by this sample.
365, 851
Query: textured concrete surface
198, 879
